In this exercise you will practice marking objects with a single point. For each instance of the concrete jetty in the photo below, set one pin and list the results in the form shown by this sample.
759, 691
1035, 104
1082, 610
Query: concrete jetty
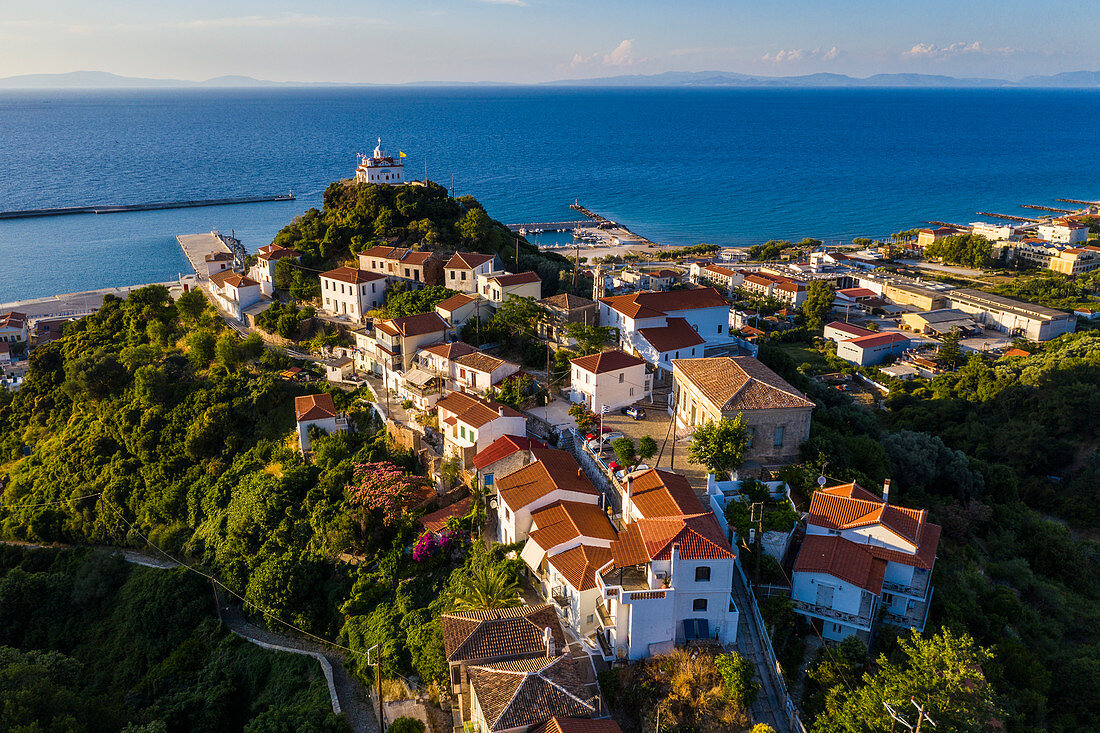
197, 246
154, 206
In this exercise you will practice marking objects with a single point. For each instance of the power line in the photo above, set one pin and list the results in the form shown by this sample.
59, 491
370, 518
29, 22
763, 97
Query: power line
49, 503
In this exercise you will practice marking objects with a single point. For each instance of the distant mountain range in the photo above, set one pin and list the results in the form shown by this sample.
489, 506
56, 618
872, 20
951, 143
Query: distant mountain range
106, 80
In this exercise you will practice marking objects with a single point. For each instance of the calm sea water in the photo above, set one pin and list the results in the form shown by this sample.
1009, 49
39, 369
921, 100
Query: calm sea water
680, 166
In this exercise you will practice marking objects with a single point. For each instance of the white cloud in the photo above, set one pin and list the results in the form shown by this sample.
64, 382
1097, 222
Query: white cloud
795, 55
932, 51
621, 55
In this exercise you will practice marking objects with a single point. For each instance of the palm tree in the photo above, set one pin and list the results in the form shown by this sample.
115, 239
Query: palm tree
486, 586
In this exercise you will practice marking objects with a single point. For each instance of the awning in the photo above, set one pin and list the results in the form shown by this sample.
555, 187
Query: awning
418, 377
533, 555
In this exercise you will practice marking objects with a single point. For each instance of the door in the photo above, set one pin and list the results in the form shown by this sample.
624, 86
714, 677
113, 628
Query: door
825, 596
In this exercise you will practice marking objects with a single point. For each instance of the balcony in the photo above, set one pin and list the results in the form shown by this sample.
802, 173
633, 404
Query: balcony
914, 617
918, 589
629, 579
812, 609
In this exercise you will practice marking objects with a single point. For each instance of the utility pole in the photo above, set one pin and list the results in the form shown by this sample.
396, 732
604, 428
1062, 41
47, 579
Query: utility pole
517, 253
377, 664
756, 514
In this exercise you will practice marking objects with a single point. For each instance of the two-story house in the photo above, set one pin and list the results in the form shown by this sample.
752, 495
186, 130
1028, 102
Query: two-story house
766, 285
504, 455
497, 287
554, 476
777, 416
462, 269
391, 346
351, 292
13, 327
267, 258
863, 558
610, 378
464, 368
561, 310
718, 275
461, 307
704, 310
469, 424
234, 292
510, 672
416, 268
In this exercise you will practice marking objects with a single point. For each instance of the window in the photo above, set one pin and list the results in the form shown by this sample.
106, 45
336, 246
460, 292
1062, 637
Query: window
699, 604
677, 355
719, 329
464, 276
462, 430
406, 272
452, 274
591, 618
693, 351
702, 574
622, 376
752, 434
631, 391
779, 436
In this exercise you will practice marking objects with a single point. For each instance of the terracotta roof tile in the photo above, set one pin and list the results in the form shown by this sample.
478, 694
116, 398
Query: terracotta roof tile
848, 328
578, 725
437, 520
517, 695
467, 260
519, 278
677, 333
503, 447
481, 362
739, 383
648, 304
566, 302
500, 633
563, 521
473, 411
658, 493
552, 470
454, 302
578, 565
451, 350
842, 559
607, 361
14, 319
850, 506
314, 407
417, 325
352, 275
878, 339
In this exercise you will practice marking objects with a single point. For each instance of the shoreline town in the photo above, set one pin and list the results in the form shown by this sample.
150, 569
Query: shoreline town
629, 554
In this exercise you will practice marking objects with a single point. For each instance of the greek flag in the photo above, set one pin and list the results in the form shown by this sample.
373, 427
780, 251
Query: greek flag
604, 410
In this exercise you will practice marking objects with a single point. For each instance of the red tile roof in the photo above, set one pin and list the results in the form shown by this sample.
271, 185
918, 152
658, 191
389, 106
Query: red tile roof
275, 252
437, 520
454, 302
578, 565
521, 694
566, 302
235, 279
607, 361
552, 470
649, 304
352, 275
739, 383
314, 407
473, 411
658, 493
417, 325
1016, 352
520, 278
578, 725
14, 319
503, 447
879, 339
698, 537
676, 334
499, 633
467, 260
563, 521
842, 559
857, 292
451, 350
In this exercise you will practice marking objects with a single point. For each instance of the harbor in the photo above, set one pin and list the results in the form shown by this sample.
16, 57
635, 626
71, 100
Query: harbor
154, 206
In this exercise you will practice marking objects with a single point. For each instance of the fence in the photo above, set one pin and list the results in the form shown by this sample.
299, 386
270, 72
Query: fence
769, 650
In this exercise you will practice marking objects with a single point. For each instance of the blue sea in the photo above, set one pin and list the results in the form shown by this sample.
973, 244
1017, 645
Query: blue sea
726, 166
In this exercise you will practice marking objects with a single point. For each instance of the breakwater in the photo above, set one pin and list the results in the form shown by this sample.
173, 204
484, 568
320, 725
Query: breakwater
154, 206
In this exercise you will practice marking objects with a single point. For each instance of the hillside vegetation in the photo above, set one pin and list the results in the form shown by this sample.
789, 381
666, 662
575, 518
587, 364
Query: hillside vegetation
88, 643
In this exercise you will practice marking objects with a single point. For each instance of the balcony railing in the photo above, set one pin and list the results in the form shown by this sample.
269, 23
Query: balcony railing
851, 619
918, 589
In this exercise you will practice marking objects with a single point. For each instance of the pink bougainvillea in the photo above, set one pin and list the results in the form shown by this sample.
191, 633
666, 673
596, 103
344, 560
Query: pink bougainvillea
382, 485
426, 546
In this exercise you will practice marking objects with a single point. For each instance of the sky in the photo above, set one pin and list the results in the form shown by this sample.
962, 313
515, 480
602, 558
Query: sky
530, 41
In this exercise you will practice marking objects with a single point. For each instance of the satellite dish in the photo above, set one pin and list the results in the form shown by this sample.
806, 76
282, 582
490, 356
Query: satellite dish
820, 480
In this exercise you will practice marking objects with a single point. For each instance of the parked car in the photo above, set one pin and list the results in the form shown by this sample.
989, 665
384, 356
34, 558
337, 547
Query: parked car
635, 412
622, 472
596, 445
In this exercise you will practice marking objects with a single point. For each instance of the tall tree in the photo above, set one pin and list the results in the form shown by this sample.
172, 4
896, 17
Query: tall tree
818, 303
949, 354
720, 446
590, 339
486, 586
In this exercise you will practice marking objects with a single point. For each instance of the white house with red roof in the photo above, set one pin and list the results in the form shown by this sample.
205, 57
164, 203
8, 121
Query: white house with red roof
497, 287
708, 272
862, 556
463, 268
234, 292
416, 267
609, 378
838, 331
267, 258
640, 317
461, 307
318, 411
554, 476
505, 454
390, 348
349, 291
470, 424
13, 327
786, 289
464, 368
1063, 231
873, 348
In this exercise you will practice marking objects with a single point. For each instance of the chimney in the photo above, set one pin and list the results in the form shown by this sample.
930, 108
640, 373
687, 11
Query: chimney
500, 410
579, 472
675, 560
629, 503
548, 640
886, 491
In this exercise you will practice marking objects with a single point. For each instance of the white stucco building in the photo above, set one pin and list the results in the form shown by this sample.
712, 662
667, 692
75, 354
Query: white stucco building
1063, 231
267, 258
380, 167
469, 424
610, 378
496, 287
462, 269
348, 291
234, 293
319, 411
13, 327
863, 556
554, 476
